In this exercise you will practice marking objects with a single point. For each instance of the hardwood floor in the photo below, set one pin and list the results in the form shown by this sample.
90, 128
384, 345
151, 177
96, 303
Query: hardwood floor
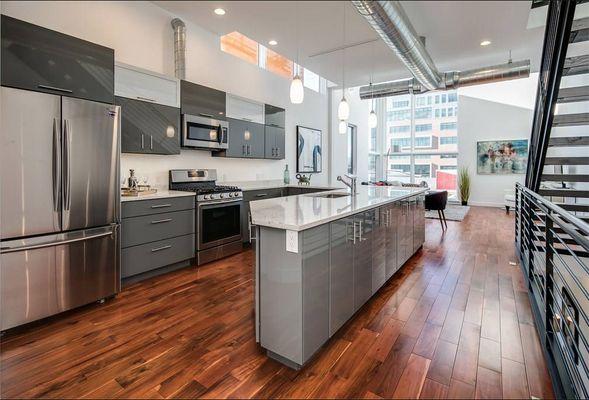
454, 322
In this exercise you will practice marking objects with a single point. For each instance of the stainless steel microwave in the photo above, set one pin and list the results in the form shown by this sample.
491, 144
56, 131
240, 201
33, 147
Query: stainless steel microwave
204, 133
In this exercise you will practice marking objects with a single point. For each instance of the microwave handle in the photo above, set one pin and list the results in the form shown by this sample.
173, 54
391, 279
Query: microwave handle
223, 135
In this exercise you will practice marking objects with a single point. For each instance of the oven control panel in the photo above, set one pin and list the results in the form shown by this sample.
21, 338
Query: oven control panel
220, 196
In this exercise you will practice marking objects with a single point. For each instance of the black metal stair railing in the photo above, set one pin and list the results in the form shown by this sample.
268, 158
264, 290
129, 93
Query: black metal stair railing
553, 246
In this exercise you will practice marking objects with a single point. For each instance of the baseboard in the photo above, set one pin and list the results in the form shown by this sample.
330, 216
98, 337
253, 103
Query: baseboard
485, 204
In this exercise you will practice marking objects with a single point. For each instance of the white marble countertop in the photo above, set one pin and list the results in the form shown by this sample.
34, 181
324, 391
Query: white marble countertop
269, 184
161, 194
305, 211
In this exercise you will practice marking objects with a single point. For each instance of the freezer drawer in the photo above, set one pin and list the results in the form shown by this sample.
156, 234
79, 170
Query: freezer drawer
44, 276
150, 256
151, 228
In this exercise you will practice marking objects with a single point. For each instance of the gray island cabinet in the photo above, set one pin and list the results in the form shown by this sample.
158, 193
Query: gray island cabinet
320, 259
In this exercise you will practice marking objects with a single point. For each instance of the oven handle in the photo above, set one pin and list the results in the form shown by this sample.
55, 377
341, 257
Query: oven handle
214, 202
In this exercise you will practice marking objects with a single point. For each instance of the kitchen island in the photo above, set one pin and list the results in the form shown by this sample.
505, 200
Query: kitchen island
321, 256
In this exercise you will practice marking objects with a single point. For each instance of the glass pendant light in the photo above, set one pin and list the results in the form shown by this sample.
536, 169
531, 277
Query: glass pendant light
297, 91
372, 118
343, 110
342, 127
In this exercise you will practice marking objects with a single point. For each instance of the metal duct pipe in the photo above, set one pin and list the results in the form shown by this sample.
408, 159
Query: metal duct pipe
452, 80
391, 23
179, 48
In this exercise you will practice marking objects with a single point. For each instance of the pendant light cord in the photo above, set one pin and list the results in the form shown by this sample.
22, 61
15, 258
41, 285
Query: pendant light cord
344, 51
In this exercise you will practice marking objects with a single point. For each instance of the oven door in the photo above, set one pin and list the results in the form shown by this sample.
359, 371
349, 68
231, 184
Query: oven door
201, 132
218, 223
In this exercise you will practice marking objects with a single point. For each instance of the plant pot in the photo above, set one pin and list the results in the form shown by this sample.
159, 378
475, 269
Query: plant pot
464, 203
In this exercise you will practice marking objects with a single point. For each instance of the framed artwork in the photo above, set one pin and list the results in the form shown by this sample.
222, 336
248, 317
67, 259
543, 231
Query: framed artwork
502, 157
309, 153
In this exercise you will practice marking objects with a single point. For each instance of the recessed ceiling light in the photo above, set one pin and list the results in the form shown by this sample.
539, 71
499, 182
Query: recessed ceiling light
219, 11
272, 42
485, 42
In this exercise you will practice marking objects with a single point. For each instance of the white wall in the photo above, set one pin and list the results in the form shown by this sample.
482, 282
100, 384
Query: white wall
480, 120
141, 35
359, 110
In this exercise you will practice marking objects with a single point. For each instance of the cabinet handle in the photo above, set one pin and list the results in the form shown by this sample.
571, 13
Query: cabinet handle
145, 99
243, 149
151, 142
262, 195
161, 205
277, 152
161, 221
57, 89
206, 115
354, 232
169, 246
142, 141
246, 119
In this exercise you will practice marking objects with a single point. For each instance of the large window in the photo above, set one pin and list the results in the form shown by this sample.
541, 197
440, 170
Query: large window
416, 145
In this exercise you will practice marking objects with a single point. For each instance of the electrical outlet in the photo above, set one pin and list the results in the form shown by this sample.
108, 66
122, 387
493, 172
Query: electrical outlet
292, 241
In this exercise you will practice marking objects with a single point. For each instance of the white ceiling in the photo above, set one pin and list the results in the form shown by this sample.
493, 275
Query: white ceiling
453, 31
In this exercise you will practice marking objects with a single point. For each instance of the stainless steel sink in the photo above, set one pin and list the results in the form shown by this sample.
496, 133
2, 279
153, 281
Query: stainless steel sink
330, 195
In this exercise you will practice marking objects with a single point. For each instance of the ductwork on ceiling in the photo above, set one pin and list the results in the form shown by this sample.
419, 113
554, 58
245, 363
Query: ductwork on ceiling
393, 26
179, 48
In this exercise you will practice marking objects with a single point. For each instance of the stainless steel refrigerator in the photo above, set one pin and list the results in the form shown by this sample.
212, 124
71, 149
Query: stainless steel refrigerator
59, 204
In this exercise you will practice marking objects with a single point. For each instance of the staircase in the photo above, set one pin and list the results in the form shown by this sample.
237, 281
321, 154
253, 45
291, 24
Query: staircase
565, 175
552, 209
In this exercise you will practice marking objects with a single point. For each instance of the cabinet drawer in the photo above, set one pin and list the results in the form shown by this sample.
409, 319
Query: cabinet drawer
137, 83
146, 207
150, 228
252, 195
147, 257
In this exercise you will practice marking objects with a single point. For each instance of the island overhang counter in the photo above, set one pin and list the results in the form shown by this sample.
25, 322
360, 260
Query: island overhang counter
321, 256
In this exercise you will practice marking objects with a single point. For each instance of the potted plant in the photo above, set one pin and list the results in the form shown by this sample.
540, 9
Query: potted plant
464, 185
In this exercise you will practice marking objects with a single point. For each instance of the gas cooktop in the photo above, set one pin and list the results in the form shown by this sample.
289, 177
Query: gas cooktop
202, 182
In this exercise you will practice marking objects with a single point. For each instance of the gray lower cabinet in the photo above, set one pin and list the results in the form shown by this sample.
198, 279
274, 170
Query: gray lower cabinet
418, 222
305, 297
156, 233
341, 272
363, 258
379, 248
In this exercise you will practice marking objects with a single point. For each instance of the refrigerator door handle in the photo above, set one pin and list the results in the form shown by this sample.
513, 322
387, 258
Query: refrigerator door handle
56, 164
67, 171
64, 240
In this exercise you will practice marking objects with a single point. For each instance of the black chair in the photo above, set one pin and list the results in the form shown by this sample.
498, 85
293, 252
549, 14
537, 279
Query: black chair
436, 200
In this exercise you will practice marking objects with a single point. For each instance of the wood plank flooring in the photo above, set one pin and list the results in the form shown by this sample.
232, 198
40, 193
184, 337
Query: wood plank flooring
455, 322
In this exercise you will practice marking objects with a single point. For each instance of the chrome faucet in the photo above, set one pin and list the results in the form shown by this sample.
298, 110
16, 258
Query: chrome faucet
351, 182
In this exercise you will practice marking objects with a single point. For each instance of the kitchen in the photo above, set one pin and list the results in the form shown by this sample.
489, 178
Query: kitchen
151, 178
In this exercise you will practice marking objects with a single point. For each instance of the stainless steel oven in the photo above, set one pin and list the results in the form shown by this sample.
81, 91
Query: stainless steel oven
218, 229
204, 132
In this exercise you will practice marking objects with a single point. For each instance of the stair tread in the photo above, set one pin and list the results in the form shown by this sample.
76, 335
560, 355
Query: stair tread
564, 192
567, 141
565, 178
566, 161
579, 30
571, 119
573, 94
576, 65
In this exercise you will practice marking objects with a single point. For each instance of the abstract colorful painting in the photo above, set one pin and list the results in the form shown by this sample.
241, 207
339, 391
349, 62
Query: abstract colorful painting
500, 157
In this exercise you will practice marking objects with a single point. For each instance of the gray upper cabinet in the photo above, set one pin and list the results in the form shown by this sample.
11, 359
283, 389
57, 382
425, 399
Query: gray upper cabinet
246, 140
275, 142
43, 60
244, 109
275, 116
202, 101
341, 272
148, 127
363, 258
